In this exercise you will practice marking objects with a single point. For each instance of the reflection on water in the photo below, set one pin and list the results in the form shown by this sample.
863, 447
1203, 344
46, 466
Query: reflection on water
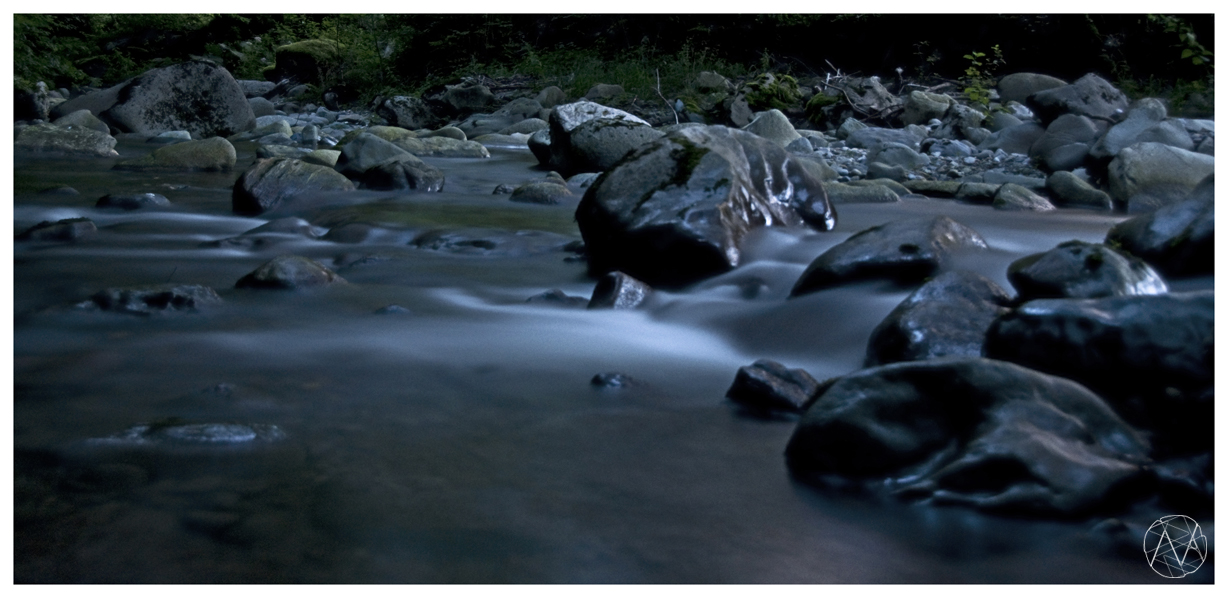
457, 439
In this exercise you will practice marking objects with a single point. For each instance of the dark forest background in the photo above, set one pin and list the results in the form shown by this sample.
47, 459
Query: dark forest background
370, 55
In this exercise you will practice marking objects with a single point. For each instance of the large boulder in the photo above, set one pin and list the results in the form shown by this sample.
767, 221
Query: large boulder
1065, 142
920, 107
904, 251
1177, 239
197, 96
970, 431
598, 144
1016, 87
1145, 114
407, 112
1090, 96
1149, 175
211, 154
1151, 356
378, 164
1014, 140
270, 183
946, 317
75, 140
1069, 191
773, 125
467, 98
565, 119
32, 104
97, 102
304, 61
84, 119
674, 211
1079, 270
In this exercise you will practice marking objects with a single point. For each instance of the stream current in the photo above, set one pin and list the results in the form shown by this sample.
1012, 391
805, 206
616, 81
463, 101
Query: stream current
461, 441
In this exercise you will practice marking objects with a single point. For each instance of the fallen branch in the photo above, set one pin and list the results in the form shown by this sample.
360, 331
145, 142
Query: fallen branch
671, 107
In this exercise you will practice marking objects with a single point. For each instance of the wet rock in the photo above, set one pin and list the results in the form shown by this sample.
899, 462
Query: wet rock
70, 230
133, 201
1089, 96
82, 119
971, 431
980, 193
1016, 87
148, 300
289, 272
208, 434
378, 164
1079, 270
213, 154
616, 290
196, 96
674, 211
1177, 239
565, 119
76, 140
773, 125
1070, 191
598, 144
547, 193
556, 297
946, 189
839, 193
1016, 197
947, 317
767, 386
270, 183
1151, 356
904, 251
1146, 176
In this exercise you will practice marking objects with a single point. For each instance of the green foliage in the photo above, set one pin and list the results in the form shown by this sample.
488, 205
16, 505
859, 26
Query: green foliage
771, 90
816, 104
1187, 42
978, 77
42, 51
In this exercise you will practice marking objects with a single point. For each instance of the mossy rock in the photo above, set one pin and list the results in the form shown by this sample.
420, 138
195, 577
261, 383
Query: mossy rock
816, 104
771, 90
304, 60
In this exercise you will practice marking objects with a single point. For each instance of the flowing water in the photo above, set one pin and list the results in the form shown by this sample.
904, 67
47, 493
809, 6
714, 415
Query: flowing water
460, 441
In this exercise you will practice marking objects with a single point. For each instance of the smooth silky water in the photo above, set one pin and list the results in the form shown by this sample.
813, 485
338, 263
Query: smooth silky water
462, 441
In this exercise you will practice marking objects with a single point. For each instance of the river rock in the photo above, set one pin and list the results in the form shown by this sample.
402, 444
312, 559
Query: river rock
767, 386
527, 126
261, 107
1145, 114
547, 193
408, 112
674, 211
133, 201
444, 147
946, 317
1206, 146
874, 137
839, 193
616, 290
905, 251
1065, 142
283, 151
67, 230
1070, 191
32, 104
557, 298
255, 89
1076, 269
449, 132
598, 144
921, 106
76, 140
1014, 140
773, 125
270, 183
82, 118
1089, 96
1177, 239
970, 431
289, 272
323, 157
213, 154
979, 193
566, 119
897, 154
148, 300
603, 91
195, 96
996, 121
378, 164
945, 189
1016, 87
550, 97
1017, 197
467, 97
176, 433
265, 127
1146, 176
1151, 356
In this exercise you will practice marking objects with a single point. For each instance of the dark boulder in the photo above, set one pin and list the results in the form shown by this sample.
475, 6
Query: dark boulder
556, 297
68, 230
616, 290
407, 112
555, 143
546, 193
1069, 191
1079, 270
82, 118
197, 96
1177, 239
133, 201
946, 317
270, 183
148, 300
1089, 96
767, 386
674, 211
1147, 175
1151, 356
977, 432
598, 144
1016, 87
904, 251
378, 164
1065, 142
289, 272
